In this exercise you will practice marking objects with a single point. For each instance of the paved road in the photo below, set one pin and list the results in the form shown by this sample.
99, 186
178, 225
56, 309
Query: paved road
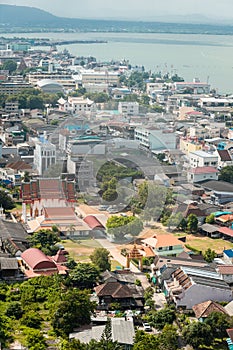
115, 253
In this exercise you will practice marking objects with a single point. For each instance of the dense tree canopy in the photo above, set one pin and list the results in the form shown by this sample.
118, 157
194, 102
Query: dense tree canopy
45, 240
120, 226
84, 275
9, 65
197, 334
101, 259
162, 317
6, 202
219, 322
71, 311
226, 174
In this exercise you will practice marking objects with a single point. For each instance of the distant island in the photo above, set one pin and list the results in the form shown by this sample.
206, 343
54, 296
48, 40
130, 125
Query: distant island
19, 19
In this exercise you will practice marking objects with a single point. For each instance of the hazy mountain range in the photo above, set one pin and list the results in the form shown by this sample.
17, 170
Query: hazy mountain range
14, 17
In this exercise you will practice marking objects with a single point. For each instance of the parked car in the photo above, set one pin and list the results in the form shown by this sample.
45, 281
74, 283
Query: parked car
103, 207
112, 211
147, 327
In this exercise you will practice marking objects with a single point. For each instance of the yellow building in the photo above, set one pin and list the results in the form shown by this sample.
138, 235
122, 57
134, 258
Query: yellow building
188, 146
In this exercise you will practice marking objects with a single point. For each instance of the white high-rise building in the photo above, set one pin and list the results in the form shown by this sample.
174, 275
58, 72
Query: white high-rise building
44, 155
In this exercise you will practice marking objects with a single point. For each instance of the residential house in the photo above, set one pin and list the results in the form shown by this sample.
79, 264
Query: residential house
199, 174
13, 237
120, 93
9, 269
122, 331
14, 172
189, 286
226, 272
188, 145
221, 192
210, 230
164, 245
129, 296
195, 86
224, 158
203, 310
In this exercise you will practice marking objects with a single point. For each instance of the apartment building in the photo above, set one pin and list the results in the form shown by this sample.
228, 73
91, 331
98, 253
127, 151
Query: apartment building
202, 159
153, 140
128, 108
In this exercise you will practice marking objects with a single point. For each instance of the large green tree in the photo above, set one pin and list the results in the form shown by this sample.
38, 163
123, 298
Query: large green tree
34, 339
226, 174
6, 202
197, 334
84, 275
219, 322
120, 226
192, 223
160, 318
9, 65
45, 240
209, 255
101, 258
71, 311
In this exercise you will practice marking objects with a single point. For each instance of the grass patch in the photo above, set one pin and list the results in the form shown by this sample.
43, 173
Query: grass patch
80, 250
201, 243
115, 264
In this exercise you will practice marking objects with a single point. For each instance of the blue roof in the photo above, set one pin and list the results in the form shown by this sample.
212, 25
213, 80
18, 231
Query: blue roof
229, 253
219, 213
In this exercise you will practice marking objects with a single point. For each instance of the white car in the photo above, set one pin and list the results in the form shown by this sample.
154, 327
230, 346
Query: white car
147, 327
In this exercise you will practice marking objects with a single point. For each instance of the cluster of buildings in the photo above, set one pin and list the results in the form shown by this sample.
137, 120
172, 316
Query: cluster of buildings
183, 147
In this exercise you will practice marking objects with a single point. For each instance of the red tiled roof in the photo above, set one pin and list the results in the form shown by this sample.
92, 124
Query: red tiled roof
37, 260
49, 189
225, 269
60, 257
225, 218
206, 308
224, 155
19, 165
60, 212
92, 222
226, 231
203, 170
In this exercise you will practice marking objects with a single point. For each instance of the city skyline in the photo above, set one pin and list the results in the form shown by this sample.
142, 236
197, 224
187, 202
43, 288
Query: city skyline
130, 9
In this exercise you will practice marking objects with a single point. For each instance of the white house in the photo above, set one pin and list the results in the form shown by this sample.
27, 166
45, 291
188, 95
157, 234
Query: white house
202, 159
199, 174
76, 105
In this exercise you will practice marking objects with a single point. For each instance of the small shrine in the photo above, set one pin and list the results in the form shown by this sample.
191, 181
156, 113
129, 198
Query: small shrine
134, 254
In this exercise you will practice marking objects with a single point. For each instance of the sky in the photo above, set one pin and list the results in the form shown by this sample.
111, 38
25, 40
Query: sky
131, 9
